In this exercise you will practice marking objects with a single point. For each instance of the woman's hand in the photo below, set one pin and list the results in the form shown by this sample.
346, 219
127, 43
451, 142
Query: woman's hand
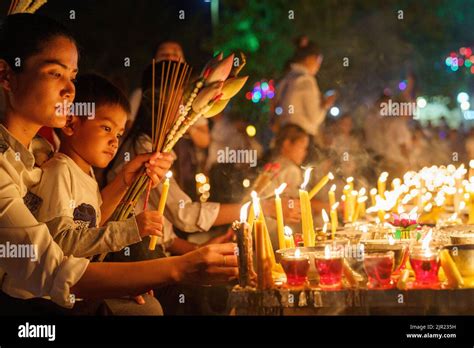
212, 264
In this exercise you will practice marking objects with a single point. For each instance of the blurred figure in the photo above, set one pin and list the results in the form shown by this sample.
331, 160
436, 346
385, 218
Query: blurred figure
298, 95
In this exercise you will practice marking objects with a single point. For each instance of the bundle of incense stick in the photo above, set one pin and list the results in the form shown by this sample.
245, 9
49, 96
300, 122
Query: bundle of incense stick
206, 97
173, 77
25, 6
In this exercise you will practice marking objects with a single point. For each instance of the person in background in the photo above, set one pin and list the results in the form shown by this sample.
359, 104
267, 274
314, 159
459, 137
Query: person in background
298, 93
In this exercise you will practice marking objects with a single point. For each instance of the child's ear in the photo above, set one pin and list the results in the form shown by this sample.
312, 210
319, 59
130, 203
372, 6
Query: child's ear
71, 124
6, 75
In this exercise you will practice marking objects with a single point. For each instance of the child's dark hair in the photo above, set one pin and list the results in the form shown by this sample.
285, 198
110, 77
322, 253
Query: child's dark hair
94, 88
23, 35
289, 132
305, 49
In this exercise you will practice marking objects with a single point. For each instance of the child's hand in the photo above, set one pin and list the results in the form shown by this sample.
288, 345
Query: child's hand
150, 223
157, 165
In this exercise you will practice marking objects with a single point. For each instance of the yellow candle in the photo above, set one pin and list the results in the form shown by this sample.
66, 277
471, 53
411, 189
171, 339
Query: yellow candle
350, 182
360, 210
334, 222
347, 192
320, 185
382, 183
304, 209
161, 206
279, 216
352, 205
290, 242
332, 195
373, 193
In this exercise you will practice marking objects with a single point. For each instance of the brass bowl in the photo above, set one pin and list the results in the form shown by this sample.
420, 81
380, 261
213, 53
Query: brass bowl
463, 257
462, 238
399, 248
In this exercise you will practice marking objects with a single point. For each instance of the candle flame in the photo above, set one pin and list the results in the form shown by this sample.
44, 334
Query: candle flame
280, 189
330, 176
327, 252
391, 241
297, 252
255, 203
169, 174
243, 212
334, 206
462, 205
362, 191
425, 244
373, 191
325, 216
362, 199
471, 163
287, 231
350, 179
383, 177
333, 188
307, 175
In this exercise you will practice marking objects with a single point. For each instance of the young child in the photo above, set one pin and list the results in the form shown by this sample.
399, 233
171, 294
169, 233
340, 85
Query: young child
71, 201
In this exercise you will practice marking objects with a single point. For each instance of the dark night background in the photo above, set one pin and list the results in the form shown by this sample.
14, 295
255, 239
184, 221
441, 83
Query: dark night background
381, 48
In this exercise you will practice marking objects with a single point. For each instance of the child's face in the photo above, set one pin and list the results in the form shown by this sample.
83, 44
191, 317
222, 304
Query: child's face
96, 140
297, 150
45, 81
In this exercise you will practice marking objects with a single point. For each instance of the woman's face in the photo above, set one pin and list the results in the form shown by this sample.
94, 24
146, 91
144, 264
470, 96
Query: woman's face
45, 82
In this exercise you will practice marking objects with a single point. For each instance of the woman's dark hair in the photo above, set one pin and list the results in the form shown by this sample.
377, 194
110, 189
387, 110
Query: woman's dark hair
23, 35
94, 88
289, 132
305, 49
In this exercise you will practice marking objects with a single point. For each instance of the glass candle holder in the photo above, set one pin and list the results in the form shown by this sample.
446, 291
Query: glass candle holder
296, 266
379, 267
425, 264
329, 265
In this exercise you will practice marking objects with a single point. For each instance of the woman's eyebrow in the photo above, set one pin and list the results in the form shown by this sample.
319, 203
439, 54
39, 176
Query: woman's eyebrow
57, 62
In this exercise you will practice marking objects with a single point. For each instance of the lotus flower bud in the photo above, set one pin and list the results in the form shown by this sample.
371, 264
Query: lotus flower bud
232, 86
221, 71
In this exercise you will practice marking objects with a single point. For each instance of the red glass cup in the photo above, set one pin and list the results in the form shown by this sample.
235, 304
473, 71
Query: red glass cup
296, 266
379, 267
425, 263
329, 265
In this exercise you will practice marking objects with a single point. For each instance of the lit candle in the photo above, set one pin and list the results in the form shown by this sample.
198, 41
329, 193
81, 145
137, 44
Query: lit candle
289, 241
352, 205
244, 244
161, 206
382, 183
360, 210
373, 193
259, 243
334, 222
332, 195
306, 217
350, 182
320, 184
279, 216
